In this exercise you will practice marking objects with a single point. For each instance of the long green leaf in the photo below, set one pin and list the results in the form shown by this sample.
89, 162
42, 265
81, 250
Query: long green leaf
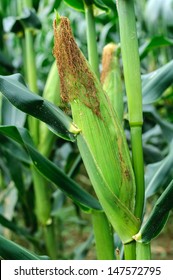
14, 89
50, 170
155, 42
158, 217
9, 146
157, 82
12, 251
28, 19
79, 4
18, 230
159, 173
76, 4
166, 127
11, 115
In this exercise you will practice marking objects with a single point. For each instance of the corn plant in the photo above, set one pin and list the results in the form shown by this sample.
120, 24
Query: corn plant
96, 124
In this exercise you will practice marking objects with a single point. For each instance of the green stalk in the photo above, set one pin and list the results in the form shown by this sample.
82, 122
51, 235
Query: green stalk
49, 235
143, 251
131, 64
43, 210
130, 251
51, 93
138, 165
42, 196
30, 61
104, 241
103, 236
32, 80
91, 38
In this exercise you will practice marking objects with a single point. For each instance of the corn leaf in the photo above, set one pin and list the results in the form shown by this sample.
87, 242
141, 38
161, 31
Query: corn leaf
158, 217
79, 4
9, 146
101, 4
166, 127
155, 42
29, 19
15, 169
76, 4
18, 230
159, 173
14, 89
12, 251
156, 83
11, 115
50, 170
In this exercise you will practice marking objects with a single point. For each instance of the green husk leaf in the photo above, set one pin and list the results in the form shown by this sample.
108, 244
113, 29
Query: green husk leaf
122, 220
14, 89
111, 77
157, 218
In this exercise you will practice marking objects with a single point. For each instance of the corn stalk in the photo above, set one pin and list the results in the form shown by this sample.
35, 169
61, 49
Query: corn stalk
131, 65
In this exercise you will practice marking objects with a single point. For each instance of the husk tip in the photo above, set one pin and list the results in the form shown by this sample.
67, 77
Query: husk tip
74, 129
57, 17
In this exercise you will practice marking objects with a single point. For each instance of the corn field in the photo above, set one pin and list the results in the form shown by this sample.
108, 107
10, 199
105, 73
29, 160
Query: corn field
86, 129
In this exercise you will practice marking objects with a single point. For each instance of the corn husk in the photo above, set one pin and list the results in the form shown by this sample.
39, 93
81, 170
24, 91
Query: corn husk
111, 77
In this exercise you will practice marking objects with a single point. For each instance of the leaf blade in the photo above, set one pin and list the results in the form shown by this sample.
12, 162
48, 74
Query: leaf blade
12, 251
14, 89
157, 218
51, 171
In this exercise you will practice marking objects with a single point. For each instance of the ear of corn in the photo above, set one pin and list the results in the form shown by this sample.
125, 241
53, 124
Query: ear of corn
101, 142
111, 77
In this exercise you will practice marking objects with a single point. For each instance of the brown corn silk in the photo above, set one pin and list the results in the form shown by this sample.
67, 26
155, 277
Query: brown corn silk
111, 78
72, 68
107, 58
